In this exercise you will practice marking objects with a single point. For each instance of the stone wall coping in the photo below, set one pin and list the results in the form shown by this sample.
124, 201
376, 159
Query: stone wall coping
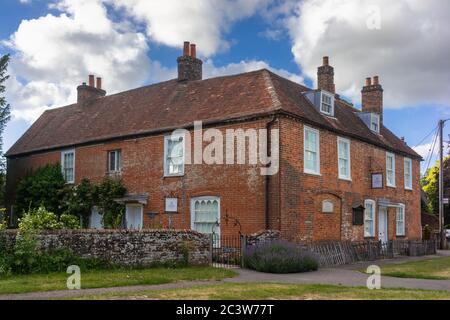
113, 231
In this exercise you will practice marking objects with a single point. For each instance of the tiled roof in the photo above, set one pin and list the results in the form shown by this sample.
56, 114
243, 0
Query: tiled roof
172, 104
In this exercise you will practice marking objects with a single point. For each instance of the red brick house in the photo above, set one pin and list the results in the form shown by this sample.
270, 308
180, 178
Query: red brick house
341, 174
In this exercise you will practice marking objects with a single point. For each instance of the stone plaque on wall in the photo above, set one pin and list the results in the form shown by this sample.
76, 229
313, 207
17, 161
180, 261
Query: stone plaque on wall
327, 206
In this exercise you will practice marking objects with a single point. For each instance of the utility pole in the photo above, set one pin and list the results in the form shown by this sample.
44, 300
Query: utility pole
441, 184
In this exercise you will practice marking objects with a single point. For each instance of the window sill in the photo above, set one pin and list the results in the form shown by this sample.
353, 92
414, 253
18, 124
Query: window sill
345, 179
312, 174
393, 187
173, 175
408, 189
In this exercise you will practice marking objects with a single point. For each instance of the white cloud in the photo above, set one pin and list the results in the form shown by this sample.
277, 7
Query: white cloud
55, 53
204, 22
409, 52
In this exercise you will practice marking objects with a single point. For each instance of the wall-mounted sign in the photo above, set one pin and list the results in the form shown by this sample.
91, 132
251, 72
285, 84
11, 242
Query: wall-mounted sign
171, 205
358, 216
327, 206
377, 180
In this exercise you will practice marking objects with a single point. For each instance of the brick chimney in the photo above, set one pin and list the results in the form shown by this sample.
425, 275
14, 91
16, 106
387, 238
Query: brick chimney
372, 97
88, 92
189, 67
325, 76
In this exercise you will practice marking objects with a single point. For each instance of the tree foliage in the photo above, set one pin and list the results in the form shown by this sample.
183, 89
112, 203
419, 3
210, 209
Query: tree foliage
44, 187
5, 113
430, 185
112, 211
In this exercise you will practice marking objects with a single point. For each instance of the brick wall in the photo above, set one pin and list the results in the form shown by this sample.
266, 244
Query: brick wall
302, 194
241, 188
294, 198
128, 248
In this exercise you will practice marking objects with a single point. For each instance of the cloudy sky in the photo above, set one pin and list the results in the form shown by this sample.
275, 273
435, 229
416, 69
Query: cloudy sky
55, 44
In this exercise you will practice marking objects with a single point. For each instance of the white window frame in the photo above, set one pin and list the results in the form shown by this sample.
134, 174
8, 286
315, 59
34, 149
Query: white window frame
117, 160
406, 174
377, 117
390, 183
166, 148
372, 231
331, 104
401, 232
348, 155
315, 131
217, 231
63, 154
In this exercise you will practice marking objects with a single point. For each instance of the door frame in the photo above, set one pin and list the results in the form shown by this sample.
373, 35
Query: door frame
141, 207
383, 211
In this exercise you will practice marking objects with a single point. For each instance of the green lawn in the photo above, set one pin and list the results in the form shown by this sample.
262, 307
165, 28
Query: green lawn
263, 291
438, 268
110, 278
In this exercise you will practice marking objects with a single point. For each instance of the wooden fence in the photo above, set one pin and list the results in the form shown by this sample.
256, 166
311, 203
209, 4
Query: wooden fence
342, 252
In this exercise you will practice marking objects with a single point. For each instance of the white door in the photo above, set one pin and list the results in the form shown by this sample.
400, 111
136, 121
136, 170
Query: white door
133, 216
95, 221
382, 224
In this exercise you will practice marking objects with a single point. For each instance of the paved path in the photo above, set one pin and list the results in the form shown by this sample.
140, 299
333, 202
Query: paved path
348, 275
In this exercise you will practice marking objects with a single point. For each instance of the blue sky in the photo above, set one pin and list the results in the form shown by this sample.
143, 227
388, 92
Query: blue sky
130, 43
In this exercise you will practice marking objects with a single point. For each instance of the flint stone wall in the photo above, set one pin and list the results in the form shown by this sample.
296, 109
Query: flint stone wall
127, 248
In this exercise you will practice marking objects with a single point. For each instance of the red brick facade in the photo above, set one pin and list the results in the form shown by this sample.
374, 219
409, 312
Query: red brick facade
290, 201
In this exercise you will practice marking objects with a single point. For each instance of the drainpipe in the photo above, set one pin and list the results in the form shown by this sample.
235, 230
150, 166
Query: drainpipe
267, 202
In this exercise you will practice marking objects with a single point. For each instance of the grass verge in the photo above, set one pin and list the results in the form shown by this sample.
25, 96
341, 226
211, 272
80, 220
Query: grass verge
437, 268
110, 278
265, 291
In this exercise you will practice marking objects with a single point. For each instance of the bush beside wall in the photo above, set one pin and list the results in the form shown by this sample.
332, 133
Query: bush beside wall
127, 248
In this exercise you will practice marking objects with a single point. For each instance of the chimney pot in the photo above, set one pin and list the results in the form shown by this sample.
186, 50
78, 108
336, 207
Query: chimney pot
326, 61
186, 49
368, 82
91, 80
99, 83
376, 80
189, 66
193, 51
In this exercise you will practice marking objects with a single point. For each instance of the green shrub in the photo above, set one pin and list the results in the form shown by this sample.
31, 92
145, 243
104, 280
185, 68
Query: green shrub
80, 199
112, 211
279, 257
41, 219
44, 187
69, 221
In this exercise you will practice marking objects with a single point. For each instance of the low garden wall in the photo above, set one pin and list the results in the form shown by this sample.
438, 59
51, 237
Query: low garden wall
128, 248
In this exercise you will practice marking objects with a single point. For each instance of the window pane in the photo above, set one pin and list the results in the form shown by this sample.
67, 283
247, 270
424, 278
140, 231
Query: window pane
112, 161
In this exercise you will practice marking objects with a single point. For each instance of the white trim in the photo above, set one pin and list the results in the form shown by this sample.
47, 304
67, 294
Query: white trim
410, 186
331, 96
349, 169
388, 183
63, 153
377, 116
403, 231
374, 208
116, 158
166, 142
142, 215
317, 132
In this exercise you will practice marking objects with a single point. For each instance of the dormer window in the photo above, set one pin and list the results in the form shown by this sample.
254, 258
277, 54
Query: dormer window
327, 104
375, 122
371, 120
322, 100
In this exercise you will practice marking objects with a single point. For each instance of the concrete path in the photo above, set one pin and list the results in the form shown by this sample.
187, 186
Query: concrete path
347, 275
